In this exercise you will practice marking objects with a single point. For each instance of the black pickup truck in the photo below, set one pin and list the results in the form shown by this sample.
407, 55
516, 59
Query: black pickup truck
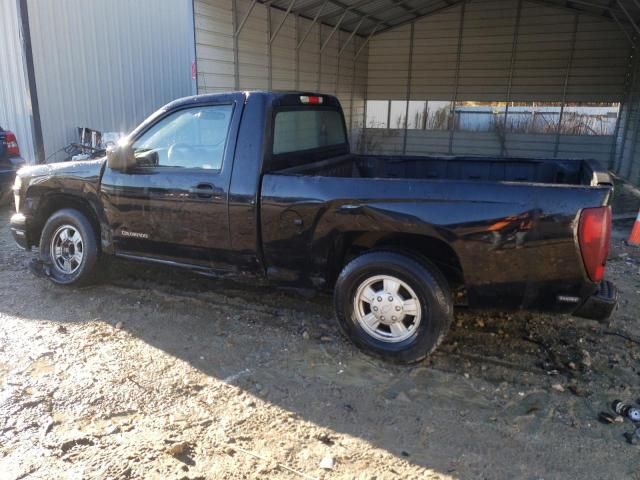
264, 184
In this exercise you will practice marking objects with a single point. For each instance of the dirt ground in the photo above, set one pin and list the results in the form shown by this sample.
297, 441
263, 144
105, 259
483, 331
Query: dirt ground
160, 374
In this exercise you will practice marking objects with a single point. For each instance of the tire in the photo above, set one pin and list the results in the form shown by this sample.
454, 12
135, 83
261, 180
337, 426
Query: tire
421, 306
69, 262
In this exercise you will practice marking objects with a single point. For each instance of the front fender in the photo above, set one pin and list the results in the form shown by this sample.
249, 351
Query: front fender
46, 188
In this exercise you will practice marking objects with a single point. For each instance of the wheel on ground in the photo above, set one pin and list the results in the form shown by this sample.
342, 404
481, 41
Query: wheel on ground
393, 306
68, 246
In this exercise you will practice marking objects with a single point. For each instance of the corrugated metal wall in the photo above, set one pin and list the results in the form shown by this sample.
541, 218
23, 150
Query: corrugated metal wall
491, 50
626, 162
214, 46
278, 64
15, 104
107, 65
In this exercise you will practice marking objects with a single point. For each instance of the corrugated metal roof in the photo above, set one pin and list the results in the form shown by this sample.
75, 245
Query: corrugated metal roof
376, 16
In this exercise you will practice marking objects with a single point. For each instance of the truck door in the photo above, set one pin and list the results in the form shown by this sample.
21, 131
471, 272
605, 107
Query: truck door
172, 206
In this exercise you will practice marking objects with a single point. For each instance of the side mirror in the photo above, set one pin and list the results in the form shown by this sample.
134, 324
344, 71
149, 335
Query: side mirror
120, 157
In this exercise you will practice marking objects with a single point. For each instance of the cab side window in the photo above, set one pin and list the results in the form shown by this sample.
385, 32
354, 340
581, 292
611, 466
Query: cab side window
190, 138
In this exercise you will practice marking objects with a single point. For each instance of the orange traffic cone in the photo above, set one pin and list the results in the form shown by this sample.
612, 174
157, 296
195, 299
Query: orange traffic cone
634, 238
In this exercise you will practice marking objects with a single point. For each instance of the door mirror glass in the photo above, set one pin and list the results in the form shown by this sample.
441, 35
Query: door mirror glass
121, 157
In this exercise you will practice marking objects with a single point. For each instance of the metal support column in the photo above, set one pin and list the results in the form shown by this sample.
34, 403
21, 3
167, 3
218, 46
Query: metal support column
514, 51
353, 73
632, 148
565, 87
625, 104
297, 19
270, 59
629, 109
337, 82
236, 53
454, 99
389, 114
366, 91
319, 56
194, 65
625, 166
363, 135
409, 74
25, 36
353, 89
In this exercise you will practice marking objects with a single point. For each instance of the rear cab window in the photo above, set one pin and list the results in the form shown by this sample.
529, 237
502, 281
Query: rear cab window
306, 129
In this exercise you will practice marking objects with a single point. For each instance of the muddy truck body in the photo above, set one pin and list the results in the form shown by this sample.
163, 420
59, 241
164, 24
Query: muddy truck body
263, 184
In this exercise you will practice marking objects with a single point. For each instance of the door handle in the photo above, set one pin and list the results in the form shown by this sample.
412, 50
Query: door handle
203, 190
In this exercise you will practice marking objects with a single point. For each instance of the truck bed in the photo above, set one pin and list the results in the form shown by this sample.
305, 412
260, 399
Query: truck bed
526, 170
498, 216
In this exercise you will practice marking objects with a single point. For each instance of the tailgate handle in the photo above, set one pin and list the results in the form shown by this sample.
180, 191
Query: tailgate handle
202, 190
350, 207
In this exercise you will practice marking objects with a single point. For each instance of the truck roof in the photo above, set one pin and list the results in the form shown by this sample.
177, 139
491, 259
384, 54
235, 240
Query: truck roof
281, 97
272, 98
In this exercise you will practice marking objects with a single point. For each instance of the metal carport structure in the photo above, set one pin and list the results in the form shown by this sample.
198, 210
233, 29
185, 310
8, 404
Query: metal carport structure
77, 63
408, 52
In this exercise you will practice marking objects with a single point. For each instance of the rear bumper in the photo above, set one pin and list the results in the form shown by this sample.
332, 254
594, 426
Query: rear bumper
601, 305
18, 225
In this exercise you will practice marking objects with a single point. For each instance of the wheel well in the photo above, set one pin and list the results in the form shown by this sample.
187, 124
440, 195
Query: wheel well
54, 203
430, 248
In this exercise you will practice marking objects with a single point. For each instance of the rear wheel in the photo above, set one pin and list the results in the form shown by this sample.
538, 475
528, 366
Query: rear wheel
393, 306
68, 245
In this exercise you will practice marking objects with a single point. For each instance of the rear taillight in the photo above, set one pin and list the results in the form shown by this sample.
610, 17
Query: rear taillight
594, 236
12, 144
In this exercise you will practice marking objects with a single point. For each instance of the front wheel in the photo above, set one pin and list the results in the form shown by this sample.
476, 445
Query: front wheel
393, 306
68, 245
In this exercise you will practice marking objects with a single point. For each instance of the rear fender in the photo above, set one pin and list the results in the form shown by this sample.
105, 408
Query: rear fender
346, 228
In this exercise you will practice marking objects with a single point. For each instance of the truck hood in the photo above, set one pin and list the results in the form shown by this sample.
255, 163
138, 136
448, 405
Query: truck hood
79, 168
62, 177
